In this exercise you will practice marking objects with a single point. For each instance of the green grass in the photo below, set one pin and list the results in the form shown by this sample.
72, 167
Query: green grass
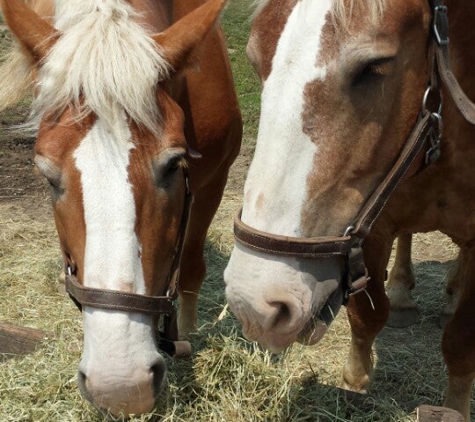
236, 24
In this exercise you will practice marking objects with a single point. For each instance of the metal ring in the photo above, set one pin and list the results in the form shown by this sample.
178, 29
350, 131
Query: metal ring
348, 230
426, 97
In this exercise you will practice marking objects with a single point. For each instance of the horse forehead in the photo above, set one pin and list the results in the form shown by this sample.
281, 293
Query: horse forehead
272, 17
307, 27
267, 29
59, 139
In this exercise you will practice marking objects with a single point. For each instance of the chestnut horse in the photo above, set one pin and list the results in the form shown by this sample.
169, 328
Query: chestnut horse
350, 153
121, 130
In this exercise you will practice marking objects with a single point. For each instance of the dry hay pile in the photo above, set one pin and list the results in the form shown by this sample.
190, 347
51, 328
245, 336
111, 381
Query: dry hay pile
227, 379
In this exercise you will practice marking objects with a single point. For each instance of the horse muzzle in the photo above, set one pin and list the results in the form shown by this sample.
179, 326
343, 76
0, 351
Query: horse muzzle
280, 301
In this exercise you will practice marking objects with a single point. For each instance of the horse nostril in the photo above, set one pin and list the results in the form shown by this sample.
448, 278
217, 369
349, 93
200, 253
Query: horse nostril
82, 379
283, 314
159, 371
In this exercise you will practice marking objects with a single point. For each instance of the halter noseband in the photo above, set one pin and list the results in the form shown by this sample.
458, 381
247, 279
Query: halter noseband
156, 306
427, 131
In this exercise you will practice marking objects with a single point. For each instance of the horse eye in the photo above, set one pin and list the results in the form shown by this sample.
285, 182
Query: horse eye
166, 172
55, 184
373, 71
172, 166
52, 174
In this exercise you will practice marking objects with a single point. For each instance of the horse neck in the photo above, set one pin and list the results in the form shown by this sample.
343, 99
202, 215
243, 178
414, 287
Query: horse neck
183, 7
155, 14
458, 132
462, 40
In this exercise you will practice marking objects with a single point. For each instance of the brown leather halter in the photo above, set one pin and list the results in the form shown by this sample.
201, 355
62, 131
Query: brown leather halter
156, 306
426, 132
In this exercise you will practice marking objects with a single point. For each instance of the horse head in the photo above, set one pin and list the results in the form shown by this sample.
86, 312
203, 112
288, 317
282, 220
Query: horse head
111, 145
342, 86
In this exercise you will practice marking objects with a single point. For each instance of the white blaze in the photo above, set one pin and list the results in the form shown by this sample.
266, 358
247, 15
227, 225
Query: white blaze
259, 286
116, 344
276, 184
112, 247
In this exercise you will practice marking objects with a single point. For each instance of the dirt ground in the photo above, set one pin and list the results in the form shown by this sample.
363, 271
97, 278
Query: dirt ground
20, 186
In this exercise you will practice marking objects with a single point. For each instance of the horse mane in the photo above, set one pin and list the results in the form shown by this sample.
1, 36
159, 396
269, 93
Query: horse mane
15, 76
342, 10
16, 71
104, 62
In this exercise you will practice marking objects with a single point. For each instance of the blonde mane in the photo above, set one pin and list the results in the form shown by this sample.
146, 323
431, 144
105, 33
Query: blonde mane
15, 76
104, 62
342, 10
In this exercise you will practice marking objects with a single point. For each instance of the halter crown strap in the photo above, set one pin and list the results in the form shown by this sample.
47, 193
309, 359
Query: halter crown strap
425, 127
174, 274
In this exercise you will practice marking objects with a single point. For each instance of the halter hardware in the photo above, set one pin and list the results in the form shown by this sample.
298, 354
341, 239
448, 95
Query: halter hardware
426, 133
440, 25
435, 137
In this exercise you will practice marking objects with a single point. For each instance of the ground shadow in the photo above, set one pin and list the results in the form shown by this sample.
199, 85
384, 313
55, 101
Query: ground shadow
409, 368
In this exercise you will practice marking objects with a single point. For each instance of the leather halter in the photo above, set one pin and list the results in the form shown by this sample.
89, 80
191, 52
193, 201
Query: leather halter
156, 306
426, 132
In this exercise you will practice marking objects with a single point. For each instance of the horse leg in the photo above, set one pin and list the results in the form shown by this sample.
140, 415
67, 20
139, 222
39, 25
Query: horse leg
458, 342
455, 278
403, 309
193, 267
367, 314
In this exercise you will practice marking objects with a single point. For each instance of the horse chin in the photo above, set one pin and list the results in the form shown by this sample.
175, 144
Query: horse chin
312, 336
321, 321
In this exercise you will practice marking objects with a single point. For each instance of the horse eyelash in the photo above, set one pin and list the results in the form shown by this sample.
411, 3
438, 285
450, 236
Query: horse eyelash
374, 69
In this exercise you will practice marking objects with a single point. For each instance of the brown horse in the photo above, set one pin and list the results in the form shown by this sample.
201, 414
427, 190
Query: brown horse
121, 130
351, 152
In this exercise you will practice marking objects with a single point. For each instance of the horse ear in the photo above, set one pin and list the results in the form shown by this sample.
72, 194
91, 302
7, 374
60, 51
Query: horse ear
35, 34
180, 40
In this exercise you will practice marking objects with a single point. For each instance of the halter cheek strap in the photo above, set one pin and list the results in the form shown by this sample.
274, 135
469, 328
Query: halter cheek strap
349, 245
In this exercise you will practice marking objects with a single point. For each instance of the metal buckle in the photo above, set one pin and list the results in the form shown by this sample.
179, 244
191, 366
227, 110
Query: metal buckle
440, 14
355, 290
433, 153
